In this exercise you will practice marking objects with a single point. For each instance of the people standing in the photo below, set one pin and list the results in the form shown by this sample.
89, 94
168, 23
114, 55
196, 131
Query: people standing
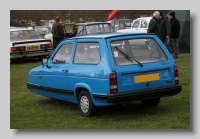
173, 38
57, 31
164, 28
153, 28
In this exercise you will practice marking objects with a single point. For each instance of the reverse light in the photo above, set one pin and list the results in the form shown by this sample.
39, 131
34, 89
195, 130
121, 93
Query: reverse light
113, 84
176, 75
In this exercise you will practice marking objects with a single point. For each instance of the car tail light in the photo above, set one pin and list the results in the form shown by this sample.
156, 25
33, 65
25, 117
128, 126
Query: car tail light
176, 75
20, 48
113, 84
43, 46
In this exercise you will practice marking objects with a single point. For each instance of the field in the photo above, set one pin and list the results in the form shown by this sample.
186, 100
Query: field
31, 111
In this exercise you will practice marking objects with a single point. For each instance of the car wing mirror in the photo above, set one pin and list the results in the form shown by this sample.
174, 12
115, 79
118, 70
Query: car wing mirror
44, 61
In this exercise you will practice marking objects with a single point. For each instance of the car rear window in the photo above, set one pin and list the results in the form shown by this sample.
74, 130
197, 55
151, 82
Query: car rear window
30, 35
87, 53
127, 52
99, 28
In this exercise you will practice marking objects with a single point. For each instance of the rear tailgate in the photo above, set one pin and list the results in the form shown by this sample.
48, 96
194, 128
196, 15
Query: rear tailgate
151, 75
135, 68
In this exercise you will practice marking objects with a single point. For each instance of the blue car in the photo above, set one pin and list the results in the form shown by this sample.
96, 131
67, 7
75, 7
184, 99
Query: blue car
107, 69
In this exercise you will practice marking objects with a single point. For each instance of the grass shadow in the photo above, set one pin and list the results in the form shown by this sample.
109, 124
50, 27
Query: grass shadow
128, 109
26, 60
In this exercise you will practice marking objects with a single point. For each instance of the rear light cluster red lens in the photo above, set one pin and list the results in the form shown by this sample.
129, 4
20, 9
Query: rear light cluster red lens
176, 75
43, 46
113, 84
20, 48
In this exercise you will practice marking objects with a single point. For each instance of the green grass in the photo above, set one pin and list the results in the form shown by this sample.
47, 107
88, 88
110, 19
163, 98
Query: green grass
31, 111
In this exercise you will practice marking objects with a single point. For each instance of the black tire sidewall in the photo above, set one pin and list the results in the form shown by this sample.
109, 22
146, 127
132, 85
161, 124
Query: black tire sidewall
91, 105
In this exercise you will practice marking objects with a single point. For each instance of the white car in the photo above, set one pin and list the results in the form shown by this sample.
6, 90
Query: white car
140, 25
26, 42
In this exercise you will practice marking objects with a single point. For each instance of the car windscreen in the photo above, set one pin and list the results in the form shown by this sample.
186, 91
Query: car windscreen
134, 51
20, 35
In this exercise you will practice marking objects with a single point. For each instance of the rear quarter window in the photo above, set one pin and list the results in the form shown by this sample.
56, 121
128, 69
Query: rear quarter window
87, 53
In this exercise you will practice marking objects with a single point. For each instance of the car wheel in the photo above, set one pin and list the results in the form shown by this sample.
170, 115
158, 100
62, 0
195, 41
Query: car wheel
151, 102
85, 104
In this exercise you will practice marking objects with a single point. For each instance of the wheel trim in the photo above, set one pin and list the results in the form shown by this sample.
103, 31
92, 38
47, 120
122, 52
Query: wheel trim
84, 104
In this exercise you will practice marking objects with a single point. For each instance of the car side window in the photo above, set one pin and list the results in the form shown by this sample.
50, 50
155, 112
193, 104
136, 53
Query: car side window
106, 27
116, 26
63, 54
121, 25
136, 24
87, 53
143, 24
80, 30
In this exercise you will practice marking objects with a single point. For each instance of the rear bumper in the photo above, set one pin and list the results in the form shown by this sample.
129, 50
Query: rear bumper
15, 55
144, 94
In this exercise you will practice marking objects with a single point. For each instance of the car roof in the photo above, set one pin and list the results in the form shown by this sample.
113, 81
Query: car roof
42, 26
124, 19
19, 28
91, 23
108, 35
147, 18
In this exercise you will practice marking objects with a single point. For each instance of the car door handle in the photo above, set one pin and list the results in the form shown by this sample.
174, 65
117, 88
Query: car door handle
65, 70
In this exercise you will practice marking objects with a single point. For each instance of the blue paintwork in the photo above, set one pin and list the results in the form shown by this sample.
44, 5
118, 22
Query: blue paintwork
95, 78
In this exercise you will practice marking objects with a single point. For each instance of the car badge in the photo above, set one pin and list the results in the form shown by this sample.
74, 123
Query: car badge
147, 84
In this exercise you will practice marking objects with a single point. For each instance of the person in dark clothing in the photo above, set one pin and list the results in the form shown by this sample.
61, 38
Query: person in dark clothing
164, 29
153, 28
153, 24
58, 32
173, 38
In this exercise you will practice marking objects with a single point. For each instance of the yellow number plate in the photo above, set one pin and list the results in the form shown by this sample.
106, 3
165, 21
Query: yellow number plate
147, 77
32, 47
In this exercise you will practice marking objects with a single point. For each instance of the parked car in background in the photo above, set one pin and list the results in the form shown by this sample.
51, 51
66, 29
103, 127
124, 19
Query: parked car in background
119, 24
140, 25
88, 28
67, 27
26, 42
42, 30
106, 69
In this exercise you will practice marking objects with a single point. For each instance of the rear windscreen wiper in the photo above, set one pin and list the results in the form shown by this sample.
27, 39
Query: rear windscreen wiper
128, 57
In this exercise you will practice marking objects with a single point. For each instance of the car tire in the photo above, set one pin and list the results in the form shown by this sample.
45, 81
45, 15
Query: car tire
85, 104
151, 102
